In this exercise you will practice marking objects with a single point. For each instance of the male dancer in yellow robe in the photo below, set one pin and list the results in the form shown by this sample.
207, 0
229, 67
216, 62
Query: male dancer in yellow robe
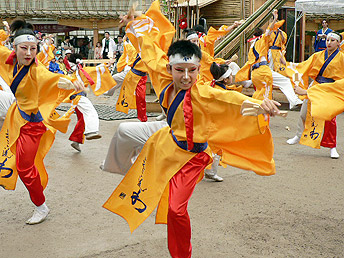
172, 160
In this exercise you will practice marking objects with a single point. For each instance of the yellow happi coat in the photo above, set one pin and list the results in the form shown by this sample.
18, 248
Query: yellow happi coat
310, 68
46, 54
127, 98
37, 91
277, 42
342, 43
243, 142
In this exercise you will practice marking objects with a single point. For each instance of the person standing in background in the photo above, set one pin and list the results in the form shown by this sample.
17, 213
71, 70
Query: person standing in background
320, 37
66, 45
108, 46
98, 51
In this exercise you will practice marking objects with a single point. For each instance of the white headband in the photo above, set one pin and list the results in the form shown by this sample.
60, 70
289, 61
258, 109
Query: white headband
192, 36
225, 75
25, 38
333, 35
179, 59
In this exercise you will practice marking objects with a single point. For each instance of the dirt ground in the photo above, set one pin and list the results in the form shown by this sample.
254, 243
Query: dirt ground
298, 212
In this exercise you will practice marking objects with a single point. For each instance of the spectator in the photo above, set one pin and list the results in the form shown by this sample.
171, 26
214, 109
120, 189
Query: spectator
108, 46
54, 67
320, 38
62, 65
66, 45
58, 54
119, 47
98, 51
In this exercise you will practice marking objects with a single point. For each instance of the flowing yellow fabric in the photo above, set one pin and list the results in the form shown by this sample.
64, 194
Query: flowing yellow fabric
46, 54
37, 91
146, 183
327, 100
102, 78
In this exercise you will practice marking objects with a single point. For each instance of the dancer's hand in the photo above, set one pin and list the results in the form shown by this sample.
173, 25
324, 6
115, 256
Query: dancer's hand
78, 85
270, 107
300, 91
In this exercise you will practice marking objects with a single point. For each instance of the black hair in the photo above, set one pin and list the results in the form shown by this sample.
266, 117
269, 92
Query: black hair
67, 37
257, 32
324, 20
185, 48
190, 32
43, 35
199, 28
21, 27
121, 36
107, 33
218, 70
72, 58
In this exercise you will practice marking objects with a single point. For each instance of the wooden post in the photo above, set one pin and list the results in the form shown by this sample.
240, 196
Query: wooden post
197, 12
303, 38
242, 37
188, 14
95, 34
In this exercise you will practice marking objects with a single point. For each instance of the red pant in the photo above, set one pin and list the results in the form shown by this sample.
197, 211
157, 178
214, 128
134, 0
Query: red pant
182, 186
27, 146
330, 134
140, 93
79, 129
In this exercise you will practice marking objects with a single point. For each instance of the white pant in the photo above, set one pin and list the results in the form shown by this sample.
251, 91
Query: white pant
90, 114
127, 143
6, 100
302, 119
119, 78
284, 84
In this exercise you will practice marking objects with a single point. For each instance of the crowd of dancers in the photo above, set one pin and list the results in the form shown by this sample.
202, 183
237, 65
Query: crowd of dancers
209, 122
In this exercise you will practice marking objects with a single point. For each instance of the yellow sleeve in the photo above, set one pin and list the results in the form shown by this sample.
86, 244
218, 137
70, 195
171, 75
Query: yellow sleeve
151, 35
327, 99
242, 141
211, 37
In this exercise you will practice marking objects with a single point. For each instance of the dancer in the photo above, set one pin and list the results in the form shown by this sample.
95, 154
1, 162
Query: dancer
133, 90
261, 75
172, 160
31, 121
87, 125
323, 67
